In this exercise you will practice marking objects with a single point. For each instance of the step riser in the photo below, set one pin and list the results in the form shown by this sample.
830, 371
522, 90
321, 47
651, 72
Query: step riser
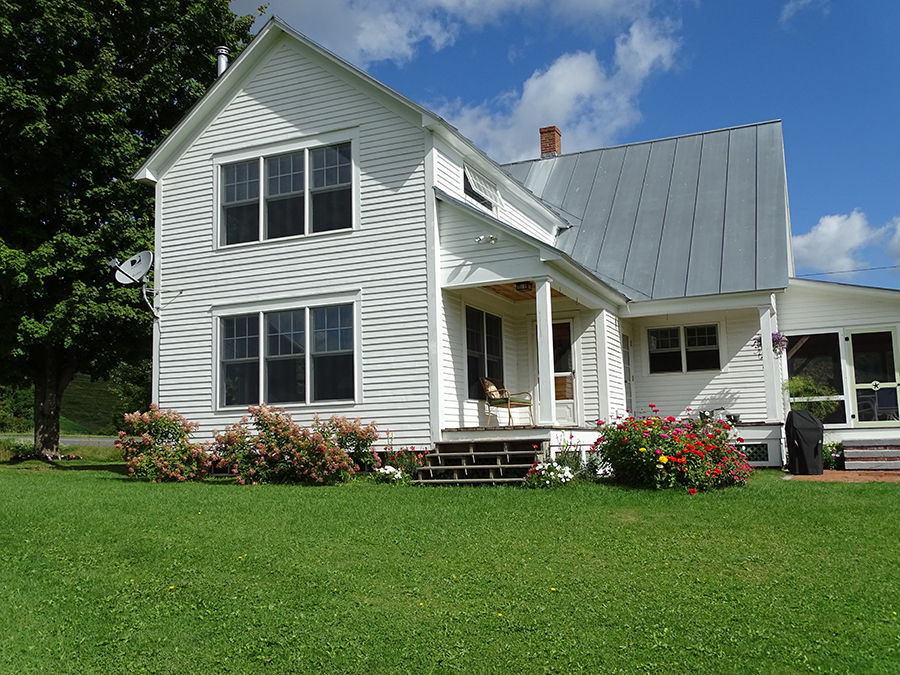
886, 453
488, 463
872, 465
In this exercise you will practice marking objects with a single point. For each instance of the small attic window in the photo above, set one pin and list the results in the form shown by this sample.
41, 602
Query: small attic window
480, 189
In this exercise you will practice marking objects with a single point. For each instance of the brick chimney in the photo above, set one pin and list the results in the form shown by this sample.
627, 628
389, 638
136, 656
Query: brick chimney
551, 143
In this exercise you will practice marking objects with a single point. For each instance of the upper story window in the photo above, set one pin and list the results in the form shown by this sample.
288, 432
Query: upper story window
684, 348
302, 192
480, 189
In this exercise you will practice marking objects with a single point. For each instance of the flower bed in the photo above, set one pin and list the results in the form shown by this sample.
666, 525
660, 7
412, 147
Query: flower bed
666, 452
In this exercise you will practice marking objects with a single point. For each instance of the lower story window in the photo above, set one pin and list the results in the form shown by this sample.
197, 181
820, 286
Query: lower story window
484, 349
290, 364
684, 348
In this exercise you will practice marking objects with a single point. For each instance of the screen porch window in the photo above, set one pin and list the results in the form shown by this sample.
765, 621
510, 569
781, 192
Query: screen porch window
683, 348
484, 349
818, 358
306, 191
297, 365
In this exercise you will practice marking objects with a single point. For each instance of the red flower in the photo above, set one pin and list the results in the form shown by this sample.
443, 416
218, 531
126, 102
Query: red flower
693, 491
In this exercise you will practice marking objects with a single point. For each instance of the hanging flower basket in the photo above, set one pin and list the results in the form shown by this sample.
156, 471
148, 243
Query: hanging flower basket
779, 344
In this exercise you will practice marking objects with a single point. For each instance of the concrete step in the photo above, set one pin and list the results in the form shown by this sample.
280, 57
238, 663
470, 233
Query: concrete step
877, 455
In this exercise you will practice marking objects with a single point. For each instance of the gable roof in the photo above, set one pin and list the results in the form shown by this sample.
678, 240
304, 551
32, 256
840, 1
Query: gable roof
687, 216
254, 55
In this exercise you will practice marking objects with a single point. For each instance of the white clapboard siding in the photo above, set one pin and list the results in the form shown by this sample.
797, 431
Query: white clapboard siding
615, 371
739, 386
448, 170
449, 177
463, 260
453, 358
812, 307
382, 264
588, 375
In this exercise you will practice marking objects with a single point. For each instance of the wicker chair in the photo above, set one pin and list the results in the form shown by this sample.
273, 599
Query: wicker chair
496, 396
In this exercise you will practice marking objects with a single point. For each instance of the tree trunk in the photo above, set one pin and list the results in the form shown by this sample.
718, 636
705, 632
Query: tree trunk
50, 381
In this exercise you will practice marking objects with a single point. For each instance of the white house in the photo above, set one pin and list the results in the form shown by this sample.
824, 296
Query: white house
328, 246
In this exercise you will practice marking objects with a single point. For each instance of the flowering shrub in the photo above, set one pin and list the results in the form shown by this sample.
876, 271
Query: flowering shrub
833, 456
282, 451
664, 452
406, 460
390, 474
157, 446
547, 474
352, 437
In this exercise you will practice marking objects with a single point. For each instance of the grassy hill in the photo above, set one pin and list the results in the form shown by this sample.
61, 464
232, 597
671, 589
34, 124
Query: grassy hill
87, 408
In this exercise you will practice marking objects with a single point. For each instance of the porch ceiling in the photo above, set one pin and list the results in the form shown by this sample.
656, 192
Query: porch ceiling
509, 292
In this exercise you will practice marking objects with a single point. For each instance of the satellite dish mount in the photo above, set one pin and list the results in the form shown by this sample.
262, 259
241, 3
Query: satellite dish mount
134, 271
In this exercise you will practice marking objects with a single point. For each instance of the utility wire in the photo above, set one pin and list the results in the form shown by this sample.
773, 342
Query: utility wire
862, 269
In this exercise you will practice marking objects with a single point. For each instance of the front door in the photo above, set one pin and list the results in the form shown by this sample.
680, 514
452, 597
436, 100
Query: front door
564, 372
875, 379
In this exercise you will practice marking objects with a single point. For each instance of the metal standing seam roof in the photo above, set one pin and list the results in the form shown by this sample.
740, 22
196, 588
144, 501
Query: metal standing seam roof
693, 215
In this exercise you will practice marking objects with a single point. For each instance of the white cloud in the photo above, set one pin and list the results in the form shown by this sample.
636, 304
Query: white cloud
366, 31
794, 6
894, 244
836, 243
588, 102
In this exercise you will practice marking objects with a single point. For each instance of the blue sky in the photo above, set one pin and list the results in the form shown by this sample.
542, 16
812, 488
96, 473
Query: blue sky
617, 71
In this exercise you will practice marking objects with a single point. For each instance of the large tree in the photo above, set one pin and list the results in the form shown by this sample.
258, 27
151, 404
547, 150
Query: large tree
87, 89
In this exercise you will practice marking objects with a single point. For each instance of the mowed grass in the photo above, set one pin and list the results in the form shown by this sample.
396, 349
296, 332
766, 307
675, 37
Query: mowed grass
104, 575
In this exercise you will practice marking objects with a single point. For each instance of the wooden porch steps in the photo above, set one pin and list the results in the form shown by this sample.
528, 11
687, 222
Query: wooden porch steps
480, 462
872, 455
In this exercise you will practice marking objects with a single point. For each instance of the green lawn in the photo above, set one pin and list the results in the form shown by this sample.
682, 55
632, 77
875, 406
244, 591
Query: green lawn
104, 575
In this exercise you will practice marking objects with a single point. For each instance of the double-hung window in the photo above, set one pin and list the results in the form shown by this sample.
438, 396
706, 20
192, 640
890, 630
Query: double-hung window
484, 349
290, 364
684, 348
282, 195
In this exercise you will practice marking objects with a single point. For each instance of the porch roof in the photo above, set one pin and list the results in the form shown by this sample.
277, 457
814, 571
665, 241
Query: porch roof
693, 215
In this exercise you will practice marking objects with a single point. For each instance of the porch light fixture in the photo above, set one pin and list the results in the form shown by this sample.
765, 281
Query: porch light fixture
524, 286
491, 239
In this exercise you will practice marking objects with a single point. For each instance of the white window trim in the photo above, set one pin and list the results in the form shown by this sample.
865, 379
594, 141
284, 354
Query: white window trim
261, 152
682, 343
482, 186
503, 332
308, 303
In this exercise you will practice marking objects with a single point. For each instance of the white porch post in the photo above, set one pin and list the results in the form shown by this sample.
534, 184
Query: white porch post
546, 412
770, 371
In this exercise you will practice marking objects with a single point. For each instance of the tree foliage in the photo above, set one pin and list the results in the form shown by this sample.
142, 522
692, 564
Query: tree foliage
87, 89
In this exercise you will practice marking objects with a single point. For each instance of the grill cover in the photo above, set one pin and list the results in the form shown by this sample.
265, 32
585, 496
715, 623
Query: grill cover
804, 440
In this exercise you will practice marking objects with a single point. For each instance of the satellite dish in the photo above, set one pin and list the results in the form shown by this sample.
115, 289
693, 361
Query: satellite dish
133, 270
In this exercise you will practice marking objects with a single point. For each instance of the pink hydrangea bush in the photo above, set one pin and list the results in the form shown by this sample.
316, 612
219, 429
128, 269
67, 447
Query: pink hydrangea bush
665, 452
157, 446
277, 449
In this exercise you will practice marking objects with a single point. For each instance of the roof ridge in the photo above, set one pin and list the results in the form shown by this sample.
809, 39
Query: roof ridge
652, 140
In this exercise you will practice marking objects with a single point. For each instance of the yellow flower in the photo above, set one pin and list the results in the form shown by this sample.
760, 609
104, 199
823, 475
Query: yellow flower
663, 459
642, 450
